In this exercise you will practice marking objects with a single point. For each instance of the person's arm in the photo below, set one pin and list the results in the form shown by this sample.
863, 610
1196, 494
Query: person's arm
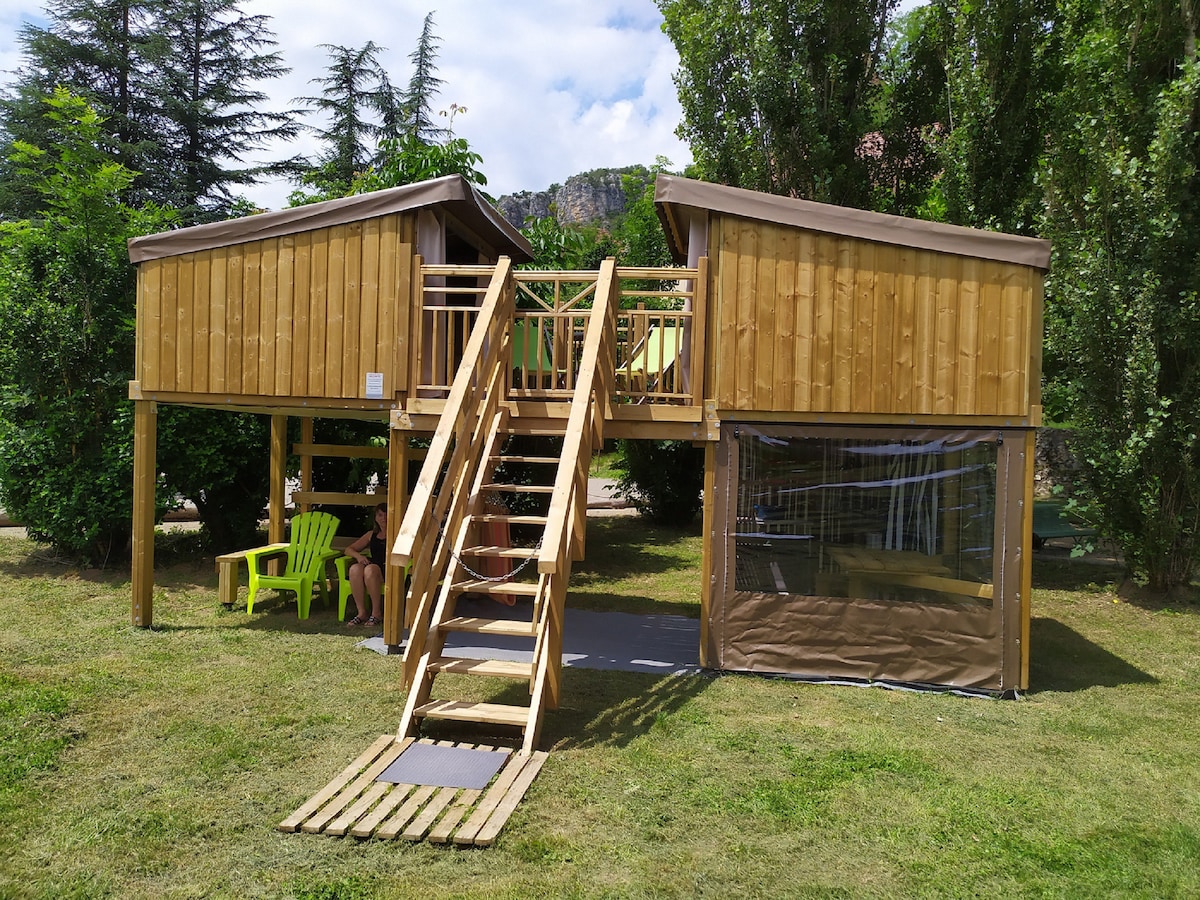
354, 551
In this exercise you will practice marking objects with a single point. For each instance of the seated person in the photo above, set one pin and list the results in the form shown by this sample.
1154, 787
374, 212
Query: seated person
367, 573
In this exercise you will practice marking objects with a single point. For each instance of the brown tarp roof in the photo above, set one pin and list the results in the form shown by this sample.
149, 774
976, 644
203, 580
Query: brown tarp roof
453, 192
672, 191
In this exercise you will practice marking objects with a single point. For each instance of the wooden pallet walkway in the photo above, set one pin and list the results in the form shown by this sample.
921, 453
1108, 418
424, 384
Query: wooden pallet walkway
354, 803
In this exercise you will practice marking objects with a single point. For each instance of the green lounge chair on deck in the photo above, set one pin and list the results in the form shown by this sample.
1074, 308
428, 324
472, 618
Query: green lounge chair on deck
530, 356
654, 359
309, 549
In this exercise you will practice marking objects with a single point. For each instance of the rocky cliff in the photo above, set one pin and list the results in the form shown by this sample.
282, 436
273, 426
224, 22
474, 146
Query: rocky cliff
588, 198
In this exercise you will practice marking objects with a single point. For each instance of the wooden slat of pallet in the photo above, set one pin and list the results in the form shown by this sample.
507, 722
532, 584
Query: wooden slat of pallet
421, 824
368, 823
392, 826
292, 822
317, 823
487, 834
492, 799
440, 834
342, 823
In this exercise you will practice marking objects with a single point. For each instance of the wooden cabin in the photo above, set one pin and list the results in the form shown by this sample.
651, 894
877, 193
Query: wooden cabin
865, 386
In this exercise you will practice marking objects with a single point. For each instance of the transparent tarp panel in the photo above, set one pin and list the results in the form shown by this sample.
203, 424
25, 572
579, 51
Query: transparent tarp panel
909, 520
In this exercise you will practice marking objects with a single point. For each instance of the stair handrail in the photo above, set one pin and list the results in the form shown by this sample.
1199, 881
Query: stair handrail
594, 386
461, 413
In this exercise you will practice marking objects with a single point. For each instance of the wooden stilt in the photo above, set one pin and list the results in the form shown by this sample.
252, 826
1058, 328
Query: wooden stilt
145, 439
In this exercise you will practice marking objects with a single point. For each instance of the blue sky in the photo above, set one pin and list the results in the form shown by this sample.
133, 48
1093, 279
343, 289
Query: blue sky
551, 88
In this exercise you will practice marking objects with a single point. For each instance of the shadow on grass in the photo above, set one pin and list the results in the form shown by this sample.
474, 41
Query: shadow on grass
1064, 660
1061, 573
598, 708
622, 546
630, 603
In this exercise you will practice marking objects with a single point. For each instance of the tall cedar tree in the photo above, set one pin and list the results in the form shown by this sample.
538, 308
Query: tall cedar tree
360, 104
418, 116
209, 57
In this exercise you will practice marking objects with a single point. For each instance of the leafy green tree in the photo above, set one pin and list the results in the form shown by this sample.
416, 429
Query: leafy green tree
66, 341
777, 96
99, 49
1003, 65
1122, 179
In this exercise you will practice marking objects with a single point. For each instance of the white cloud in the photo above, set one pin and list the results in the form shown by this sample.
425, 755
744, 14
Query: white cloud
552, 87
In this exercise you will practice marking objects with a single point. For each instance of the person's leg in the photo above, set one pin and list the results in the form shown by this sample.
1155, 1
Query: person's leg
373, 576
358, 591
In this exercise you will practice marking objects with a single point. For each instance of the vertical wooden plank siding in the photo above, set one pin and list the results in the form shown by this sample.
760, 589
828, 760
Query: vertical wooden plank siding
268, 331
862, 264
805, 321
150, 290
766, 298
946, 343
843, 326
745, 325
317, 323
808, 322
302, 306
285, 314
201, 316
217, 339
904, 331
184, 304
251, 316
351, 382
367, 339
883, 351
334, 312
234, 334
168, 323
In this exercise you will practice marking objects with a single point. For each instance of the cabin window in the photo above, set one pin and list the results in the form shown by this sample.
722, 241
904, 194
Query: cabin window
901, 517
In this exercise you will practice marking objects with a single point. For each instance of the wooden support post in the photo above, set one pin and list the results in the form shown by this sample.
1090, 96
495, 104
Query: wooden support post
394, 611
145, 439
709, 547
306, 460
278, 487
1026, 557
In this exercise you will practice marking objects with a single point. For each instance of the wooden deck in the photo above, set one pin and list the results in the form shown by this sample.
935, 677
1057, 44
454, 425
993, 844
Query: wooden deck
356, 804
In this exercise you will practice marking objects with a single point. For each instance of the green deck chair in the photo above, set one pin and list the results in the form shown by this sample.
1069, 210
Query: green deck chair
309, 549
530, 356
653, 357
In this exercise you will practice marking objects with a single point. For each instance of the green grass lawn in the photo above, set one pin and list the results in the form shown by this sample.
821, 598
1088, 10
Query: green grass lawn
158, 763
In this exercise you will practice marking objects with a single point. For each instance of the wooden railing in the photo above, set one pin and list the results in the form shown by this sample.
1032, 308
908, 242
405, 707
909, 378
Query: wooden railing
656, 353
432, 519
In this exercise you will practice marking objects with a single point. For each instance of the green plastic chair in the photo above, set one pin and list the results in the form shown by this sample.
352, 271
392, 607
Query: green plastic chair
342, 564
308, 551
530, 356
653, 357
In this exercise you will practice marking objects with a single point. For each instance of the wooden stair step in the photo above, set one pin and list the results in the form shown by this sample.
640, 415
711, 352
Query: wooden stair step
492, 668
506, 552
510, 519
481, 625
537, 460
517, 588
489, 713
519, 488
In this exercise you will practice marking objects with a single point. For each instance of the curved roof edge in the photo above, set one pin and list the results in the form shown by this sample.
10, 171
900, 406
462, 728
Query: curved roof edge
452, 191
670, 190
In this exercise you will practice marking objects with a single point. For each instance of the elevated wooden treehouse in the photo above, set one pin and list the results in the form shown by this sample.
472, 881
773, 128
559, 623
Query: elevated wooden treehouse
866, 388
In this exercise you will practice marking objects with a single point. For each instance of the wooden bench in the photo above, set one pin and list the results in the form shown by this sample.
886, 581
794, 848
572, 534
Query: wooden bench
1050, 520
229, 563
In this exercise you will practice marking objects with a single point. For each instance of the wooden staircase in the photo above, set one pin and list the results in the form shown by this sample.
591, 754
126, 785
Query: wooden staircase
448, 516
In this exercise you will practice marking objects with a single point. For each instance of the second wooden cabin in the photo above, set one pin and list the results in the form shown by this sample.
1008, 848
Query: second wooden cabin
866, 388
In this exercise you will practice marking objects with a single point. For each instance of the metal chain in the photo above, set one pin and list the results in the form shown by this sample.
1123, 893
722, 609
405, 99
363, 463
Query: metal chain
498, 578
